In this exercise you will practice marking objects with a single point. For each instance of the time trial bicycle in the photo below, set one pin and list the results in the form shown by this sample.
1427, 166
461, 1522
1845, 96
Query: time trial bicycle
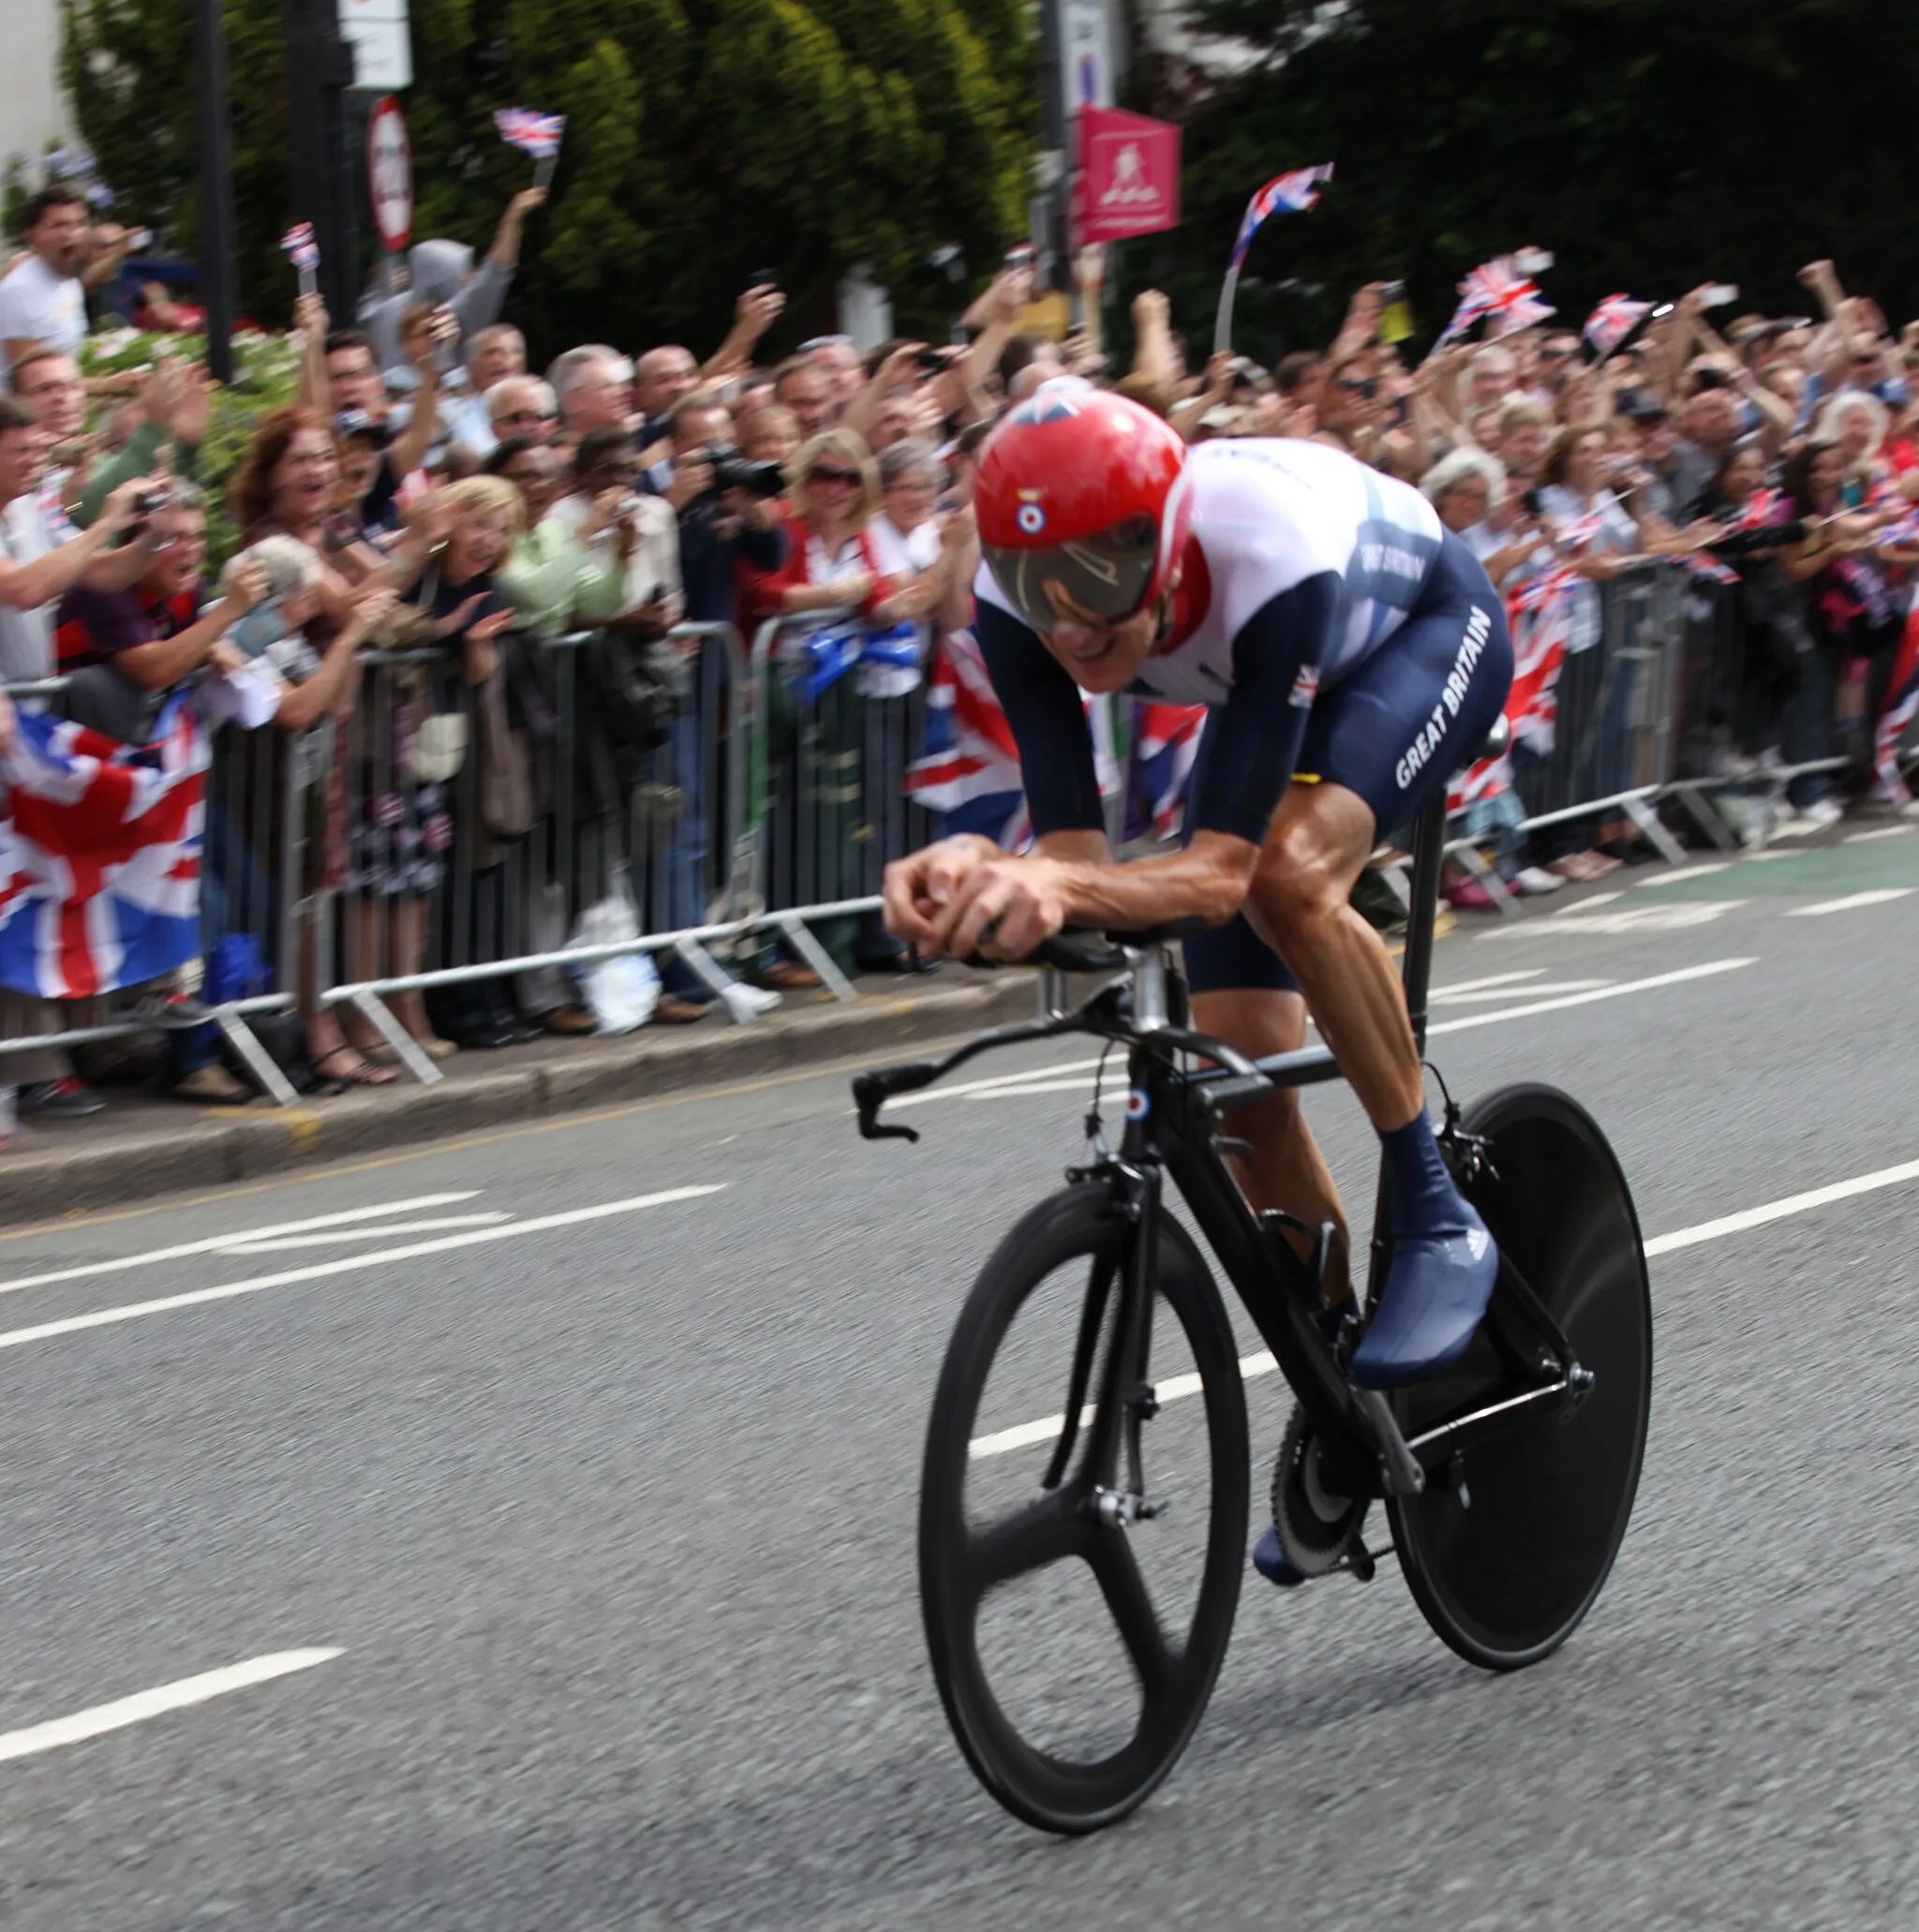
1086, 1484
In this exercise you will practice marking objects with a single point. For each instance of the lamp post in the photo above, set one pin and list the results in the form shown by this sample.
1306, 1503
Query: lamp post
216, 186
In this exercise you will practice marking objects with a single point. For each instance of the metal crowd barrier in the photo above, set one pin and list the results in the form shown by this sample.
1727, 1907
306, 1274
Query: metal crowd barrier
1655, 708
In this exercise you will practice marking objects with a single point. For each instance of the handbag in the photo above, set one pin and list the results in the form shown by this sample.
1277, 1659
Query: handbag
506, 789
438, 746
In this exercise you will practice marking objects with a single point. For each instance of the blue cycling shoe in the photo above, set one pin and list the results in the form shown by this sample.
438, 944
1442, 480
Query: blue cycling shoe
1444, 1265
1435, 1293
1272, 1562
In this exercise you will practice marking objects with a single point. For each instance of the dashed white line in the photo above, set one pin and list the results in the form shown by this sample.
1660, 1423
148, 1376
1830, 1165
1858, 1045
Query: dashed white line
102, 1317
1551, 986
216, 1242
1851, 902
1777, 1211
1710, 970
177, 1696
1686, 873
1879, 832
1632, 919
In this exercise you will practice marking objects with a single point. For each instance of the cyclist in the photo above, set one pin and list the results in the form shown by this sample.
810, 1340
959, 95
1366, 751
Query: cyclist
1353, 654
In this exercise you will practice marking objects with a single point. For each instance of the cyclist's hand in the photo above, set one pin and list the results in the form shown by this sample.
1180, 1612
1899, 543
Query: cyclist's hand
919, 888
1003, 908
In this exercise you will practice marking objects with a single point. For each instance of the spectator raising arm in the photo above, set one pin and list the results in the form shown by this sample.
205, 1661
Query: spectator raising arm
754, 314
332, 682
409, 449
165, 660
1152, 341
176, 401
27, 585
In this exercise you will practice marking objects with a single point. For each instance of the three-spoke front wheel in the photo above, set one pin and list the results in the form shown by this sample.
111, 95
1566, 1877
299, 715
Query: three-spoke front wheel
1082, 1514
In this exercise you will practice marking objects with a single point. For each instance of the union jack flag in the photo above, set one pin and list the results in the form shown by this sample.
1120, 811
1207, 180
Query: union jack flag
968, 768
1613, 321
1295, 192
99, 861
298, 245
1166, 743
1497, 289
532, 133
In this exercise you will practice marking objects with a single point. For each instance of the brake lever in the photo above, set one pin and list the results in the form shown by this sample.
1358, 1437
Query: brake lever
871, 1091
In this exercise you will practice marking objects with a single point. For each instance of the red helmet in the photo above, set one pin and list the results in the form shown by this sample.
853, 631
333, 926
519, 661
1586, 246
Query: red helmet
1083, 504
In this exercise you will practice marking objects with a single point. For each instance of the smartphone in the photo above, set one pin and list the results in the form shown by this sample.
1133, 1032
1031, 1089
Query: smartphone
1533, 262
763, 278
1395, 317
265, 624
1532, 502
933, 360
1719, 295
1020, 254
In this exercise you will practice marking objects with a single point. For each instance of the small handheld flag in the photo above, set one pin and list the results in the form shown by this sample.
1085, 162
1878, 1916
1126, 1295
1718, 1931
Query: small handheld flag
1294, 193
1613, 321
1497, 290
303, 251
534, 134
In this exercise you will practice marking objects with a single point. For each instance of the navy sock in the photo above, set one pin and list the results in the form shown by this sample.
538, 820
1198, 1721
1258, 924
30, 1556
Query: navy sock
1423, 1198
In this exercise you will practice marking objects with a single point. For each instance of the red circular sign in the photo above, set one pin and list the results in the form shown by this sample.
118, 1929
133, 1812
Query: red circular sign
390, 171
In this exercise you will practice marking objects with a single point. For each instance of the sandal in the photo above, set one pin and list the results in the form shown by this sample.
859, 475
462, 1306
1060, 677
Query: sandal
359, 1074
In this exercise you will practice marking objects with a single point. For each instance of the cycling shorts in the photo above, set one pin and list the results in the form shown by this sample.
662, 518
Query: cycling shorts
1394, 730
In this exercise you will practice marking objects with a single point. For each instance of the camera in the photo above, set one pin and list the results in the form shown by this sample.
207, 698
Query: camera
933, 360
150, 501
732, 472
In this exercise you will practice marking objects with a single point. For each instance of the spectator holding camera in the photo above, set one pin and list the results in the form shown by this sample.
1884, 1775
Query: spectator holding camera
643, 532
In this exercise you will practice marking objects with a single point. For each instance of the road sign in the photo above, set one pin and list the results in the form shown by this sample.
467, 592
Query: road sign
390, 173
383, 43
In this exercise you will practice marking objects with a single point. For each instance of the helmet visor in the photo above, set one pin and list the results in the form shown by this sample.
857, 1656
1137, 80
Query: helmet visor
1097, 579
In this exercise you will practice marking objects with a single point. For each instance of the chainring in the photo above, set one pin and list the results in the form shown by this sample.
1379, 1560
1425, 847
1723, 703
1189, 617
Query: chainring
1315, 1525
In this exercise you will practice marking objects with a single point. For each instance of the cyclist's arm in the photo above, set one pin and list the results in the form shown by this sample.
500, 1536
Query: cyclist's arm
1249, 764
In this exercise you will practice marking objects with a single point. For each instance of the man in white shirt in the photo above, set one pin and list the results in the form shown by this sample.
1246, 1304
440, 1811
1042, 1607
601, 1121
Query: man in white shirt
42, 301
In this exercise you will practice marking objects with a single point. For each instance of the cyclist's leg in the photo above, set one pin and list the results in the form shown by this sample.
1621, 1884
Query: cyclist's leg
1243, 994
1381, 743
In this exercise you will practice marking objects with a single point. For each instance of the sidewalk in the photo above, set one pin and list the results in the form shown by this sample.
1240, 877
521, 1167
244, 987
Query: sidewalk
144, 1144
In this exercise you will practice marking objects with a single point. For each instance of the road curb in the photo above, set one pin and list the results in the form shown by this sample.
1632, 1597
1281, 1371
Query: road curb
103, 1165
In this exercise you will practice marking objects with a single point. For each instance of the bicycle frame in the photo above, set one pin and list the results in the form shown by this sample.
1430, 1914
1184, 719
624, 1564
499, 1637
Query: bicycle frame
1174, 1125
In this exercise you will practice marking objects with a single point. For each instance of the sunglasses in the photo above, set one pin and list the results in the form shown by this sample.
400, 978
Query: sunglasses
833, 476
1368, 387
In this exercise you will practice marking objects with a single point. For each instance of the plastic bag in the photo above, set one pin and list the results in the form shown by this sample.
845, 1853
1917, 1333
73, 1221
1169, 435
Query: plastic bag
621, 992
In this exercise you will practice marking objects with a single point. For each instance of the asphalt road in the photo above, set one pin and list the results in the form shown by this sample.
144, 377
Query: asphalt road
577, 1526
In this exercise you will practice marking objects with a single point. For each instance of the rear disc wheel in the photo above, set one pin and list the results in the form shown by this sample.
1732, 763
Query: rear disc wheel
1075, 1653
1509, 1544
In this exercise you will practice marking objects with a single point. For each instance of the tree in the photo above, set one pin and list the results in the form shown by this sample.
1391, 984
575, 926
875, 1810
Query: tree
705, 139
1650, 146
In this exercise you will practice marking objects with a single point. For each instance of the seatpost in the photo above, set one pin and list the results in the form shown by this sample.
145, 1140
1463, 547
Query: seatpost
1429, 842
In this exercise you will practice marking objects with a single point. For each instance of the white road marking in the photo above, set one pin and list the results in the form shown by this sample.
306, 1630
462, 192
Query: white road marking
1084, 1083
1880, 832
1777, 1211
1261, 1362
177, 1696
215, 1243
332, 1237
102, 1317
1473, 985
1035, 1073
1708, 971
1587, 904
1851, 902
1552, 986
1688, 872
1633, 919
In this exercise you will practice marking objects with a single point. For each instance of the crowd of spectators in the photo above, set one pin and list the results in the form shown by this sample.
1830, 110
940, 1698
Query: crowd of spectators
430, 497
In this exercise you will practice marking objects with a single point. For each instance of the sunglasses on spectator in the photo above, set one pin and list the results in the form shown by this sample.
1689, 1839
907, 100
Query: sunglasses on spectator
833, 476
813, 342
1367, 386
